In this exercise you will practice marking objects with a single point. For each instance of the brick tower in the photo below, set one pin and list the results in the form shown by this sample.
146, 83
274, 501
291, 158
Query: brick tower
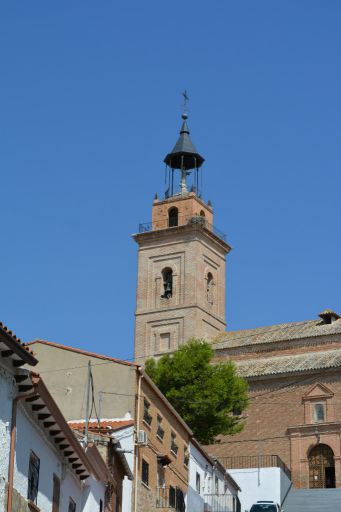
181, 262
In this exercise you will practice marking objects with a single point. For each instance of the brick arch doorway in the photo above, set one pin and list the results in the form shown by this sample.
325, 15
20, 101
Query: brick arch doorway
321, 467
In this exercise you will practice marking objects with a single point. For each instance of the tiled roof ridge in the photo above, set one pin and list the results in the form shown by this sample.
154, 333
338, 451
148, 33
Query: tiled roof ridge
81, 351
286, 363
223, 339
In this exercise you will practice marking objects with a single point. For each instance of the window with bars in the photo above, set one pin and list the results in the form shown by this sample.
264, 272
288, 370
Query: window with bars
147, 417
33, 477
145, 472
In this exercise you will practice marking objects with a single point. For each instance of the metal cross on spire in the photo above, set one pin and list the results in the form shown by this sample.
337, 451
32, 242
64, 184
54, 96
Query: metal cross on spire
186, 100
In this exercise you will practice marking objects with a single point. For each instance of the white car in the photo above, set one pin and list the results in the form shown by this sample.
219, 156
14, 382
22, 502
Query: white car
266, 506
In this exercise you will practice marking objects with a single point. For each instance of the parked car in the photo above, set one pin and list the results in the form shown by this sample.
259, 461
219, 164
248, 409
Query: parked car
266, 506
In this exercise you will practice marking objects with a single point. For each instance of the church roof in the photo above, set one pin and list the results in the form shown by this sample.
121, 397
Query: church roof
273, 333
289, 364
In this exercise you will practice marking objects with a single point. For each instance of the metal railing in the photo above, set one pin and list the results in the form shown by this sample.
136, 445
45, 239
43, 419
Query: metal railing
170, 498
181, 221
221, 503
255, 461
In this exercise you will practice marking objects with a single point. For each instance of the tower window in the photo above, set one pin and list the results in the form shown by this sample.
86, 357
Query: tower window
167, 275
173, 217
209, 289
202, 213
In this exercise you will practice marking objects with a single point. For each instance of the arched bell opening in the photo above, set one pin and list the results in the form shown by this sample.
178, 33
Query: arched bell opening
167, 276
321, 467
173, 217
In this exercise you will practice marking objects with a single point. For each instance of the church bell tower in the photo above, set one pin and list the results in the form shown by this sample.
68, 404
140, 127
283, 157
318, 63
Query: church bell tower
181, 261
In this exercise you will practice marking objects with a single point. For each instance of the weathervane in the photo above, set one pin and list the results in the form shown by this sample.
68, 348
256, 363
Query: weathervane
185, 103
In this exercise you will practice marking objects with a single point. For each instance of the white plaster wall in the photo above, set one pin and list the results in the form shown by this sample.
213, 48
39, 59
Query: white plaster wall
260, 484
199, 464
93, 492
7, 393
126, 437
31, 437
70, 487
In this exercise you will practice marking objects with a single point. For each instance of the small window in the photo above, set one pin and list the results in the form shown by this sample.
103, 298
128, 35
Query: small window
159, 430
146, 414
145, 472
33, 477
173, 217
197, 482
100, 506
174, 446
209, 289
202, 213
167, 276
72, 505
56, 494
186, 456
319, 413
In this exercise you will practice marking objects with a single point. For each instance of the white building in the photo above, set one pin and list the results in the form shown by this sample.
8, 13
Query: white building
211, 488
43, 467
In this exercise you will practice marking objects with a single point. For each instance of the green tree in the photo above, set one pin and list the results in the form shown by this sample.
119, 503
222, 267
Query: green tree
204, 394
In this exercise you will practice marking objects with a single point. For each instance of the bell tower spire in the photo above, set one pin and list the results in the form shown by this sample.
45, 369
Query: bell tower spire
183, 157
181, 261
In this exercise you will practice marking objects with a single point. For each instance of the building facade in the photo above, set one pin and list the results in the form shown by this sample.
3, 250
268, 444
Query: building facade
292, 369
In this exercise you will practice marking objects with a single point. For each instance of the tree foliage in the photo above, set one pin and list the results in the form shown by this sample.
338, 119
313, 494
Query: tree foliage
205, 395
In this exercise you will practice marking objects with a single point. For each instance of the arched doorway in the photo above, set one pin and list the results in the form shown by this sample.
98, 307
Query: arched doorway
321, 467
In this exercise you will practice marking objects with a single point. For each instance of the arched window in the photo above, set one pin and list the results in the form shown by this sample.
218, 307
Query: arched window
202, 213
173, 217
167, 276
209, 289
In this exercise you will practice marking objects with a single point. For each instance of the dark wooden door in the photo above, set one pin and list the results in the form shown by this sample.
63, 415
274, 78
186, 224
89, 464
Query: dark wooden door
321, 467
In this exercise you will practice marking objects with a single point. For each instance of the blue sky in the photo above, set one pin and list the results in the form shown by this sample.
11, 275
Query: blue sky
90, 105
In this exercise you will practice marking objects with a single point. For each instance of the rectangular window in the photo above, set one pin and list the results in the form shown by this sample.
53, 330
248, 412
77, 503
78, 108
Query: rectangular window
216, 485
146, 415
100, 506
172, 497
186, 456
72, 505
56, 494
197, 482
145, 472
164, 342
159, 431
319, 413
174, 446
33, 477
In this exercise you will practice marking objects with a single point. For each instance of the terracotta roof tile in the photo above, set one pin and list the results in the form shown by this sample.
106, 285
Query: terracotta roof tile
104, 424
21, 349
274, 333
289, 364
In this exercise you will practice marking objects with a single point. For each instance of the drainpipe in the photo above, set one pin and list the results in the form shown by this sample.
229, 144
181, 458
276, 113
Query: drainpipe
12, 447
136, 445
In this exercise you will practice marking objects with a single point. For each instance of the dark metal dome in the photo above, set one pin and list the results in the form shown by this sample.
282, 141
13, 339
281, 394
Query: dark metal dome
184, 155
